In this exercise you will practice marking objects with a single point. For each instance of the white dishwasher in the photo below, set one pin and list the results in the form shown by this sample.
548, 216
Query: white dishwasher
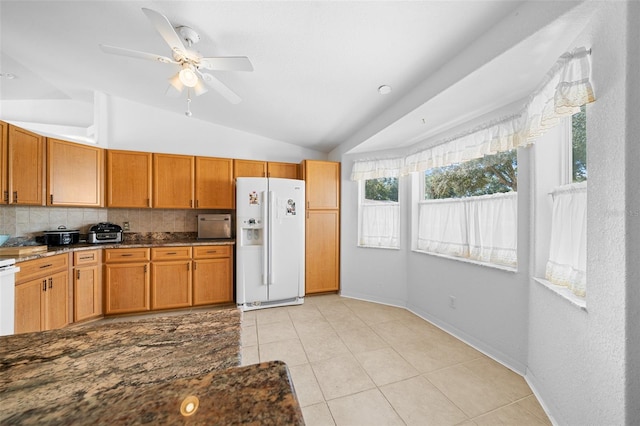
8, 271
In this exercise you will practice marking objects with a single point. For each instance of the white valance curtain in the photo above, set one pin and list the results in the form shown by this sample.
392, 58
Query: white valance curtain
375, 169
564, 89
380, 224
568, 248
481, 228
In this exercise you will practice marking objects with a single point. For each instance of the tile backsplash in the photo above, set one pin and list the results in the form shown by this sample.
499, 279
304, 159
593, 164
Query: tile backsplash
29, 221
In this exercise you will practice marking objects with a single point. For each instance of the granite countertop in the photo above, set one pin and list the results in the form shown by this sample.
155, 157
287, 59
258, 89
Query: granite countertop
131, 240
141, 371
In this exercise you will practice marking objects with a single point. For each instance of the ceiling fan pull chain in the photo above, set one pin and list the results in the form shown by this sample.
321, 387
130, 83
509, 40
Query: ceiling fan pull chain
188, 112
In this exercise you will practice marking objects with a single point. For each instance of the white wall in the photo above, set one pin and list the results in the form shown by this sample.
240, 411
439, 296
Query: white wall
135, 126
370, 273
577, 359
122, 124
583, 365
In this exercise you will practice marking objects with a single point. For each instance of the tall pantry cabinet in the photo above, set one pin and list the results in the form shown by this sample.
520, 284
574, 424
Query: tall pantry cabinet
322, 258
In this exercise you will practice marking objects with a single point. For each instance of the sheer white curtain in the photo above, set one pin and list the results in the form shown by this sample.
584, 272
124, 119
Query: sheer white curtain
567, 263
380, 224
493, 226
481, 228
442, 227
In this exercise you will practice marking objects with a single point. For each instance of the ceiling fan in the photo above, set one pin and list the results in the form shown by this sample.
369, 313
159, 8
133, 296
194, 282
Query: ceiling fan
190, 61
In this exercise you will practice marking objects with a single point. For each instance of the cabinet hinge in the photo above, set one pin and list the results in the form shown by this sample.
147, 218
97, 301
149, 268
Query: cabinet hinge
51, 199
195, 265
44, 285
188, 266
15, 197
78, 274
6, 197
145, 269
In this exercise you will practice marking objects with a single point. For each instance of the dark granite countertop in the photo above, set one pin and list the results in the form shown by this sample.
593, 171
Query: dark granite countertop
141, 371
131, 240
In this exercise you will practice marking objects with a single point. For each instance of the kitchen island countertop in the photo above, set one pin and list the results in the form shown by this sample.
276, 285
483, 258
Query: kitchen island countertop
141, 371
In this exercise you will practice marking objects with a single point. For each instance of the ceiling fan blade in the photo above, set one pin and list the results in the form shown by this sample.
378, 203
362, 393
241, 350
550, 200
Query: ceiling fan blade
217, 85
229, 63
135, 54
166, 30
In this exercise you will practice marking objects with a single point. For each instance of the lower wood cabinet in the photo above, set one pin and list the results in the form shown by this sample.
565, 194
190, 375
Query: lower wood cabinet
42, 294
87, 285
212, 275
141, 279
127, 280
170, 277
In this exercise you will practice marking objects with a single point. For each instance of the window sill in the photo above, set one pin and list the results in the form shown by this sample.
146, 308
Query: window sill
379, 247
564, 293
474, 262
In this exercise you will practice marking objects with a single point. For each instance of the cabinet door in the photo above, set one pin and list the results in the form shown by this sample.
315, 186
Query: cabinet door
56, 310
129, 179
322, 184
29, 306
322, 251
4, 139
249, 168
173, 181
26, 167
126, 287
212, 281
282, 170
87, 292
214, 183
171, 284
75, 174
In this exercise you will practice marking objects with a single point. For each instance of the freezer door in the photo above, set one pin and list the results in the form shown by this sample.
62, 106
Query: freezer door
286, 238
251, 267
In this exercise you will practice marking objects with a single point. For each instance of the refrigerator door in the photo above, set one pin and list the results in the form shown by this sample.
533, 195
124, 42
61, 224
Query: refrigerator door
251, 254
286, 244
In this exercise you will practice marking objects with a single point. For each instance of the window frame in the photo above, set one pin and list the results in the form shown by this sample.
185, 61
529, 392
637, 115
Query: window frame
364, 201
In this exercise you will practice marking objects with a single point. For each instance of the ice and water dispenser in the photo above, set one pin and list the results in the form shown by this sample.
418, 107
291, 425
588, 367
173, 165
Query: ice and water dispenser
251, 232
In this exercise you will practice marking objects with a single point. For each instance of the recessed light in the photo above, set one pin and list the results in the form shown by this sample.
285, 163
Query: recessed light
384, 89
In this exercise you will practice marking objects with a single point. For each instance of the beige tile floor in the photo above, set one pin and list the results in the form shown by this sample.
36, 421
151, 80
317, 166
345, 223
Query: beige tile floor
361, 363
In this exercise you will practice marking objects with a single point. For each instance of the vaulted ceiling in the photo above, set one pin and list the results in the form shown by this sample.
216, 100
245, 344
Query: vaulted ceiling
317, 64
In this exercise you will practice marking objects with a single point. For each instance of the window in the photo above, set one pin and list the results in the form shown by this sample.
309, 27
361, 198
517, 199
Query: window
469, 210
579, 145
487, 175
379, 213
566, 265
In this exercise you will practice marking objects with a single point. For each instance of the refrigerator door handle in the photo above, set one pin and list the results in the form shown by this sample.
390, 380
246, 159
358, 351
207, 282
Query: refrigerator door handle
265, 238
272, 202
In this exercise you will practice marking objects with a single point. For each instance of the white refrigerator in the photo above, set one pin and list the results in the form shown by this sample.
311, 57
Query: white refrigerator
270, 242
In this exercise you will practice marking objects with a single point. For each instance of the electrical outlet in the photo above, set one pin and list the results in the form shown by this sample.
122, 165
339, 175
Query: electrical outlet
125, 226
452, 302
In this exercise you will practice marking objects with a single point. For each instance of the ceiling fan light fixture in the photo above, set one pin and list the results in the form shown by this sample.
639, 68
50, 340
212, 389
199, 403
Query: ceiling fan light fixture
188, 77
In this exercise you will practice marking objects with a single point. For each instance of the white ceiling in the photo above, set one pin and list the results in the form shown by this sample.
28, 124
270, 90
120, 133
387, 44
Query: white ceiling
317, 64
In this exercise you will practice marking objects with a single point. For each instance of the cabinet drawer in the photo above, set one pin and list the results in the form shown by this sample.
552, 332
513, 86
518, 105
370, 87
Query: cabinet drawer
126, 255
86, 257
208, 252
31, 269
170, 253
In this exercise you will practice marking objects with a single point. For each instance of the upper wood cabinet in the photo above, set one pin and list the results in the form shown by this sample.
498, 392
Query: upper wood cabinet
129, 179
74, 174
4, 140
26, 152
282, 170
214, 183
322, 179
249, 168
173, 181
